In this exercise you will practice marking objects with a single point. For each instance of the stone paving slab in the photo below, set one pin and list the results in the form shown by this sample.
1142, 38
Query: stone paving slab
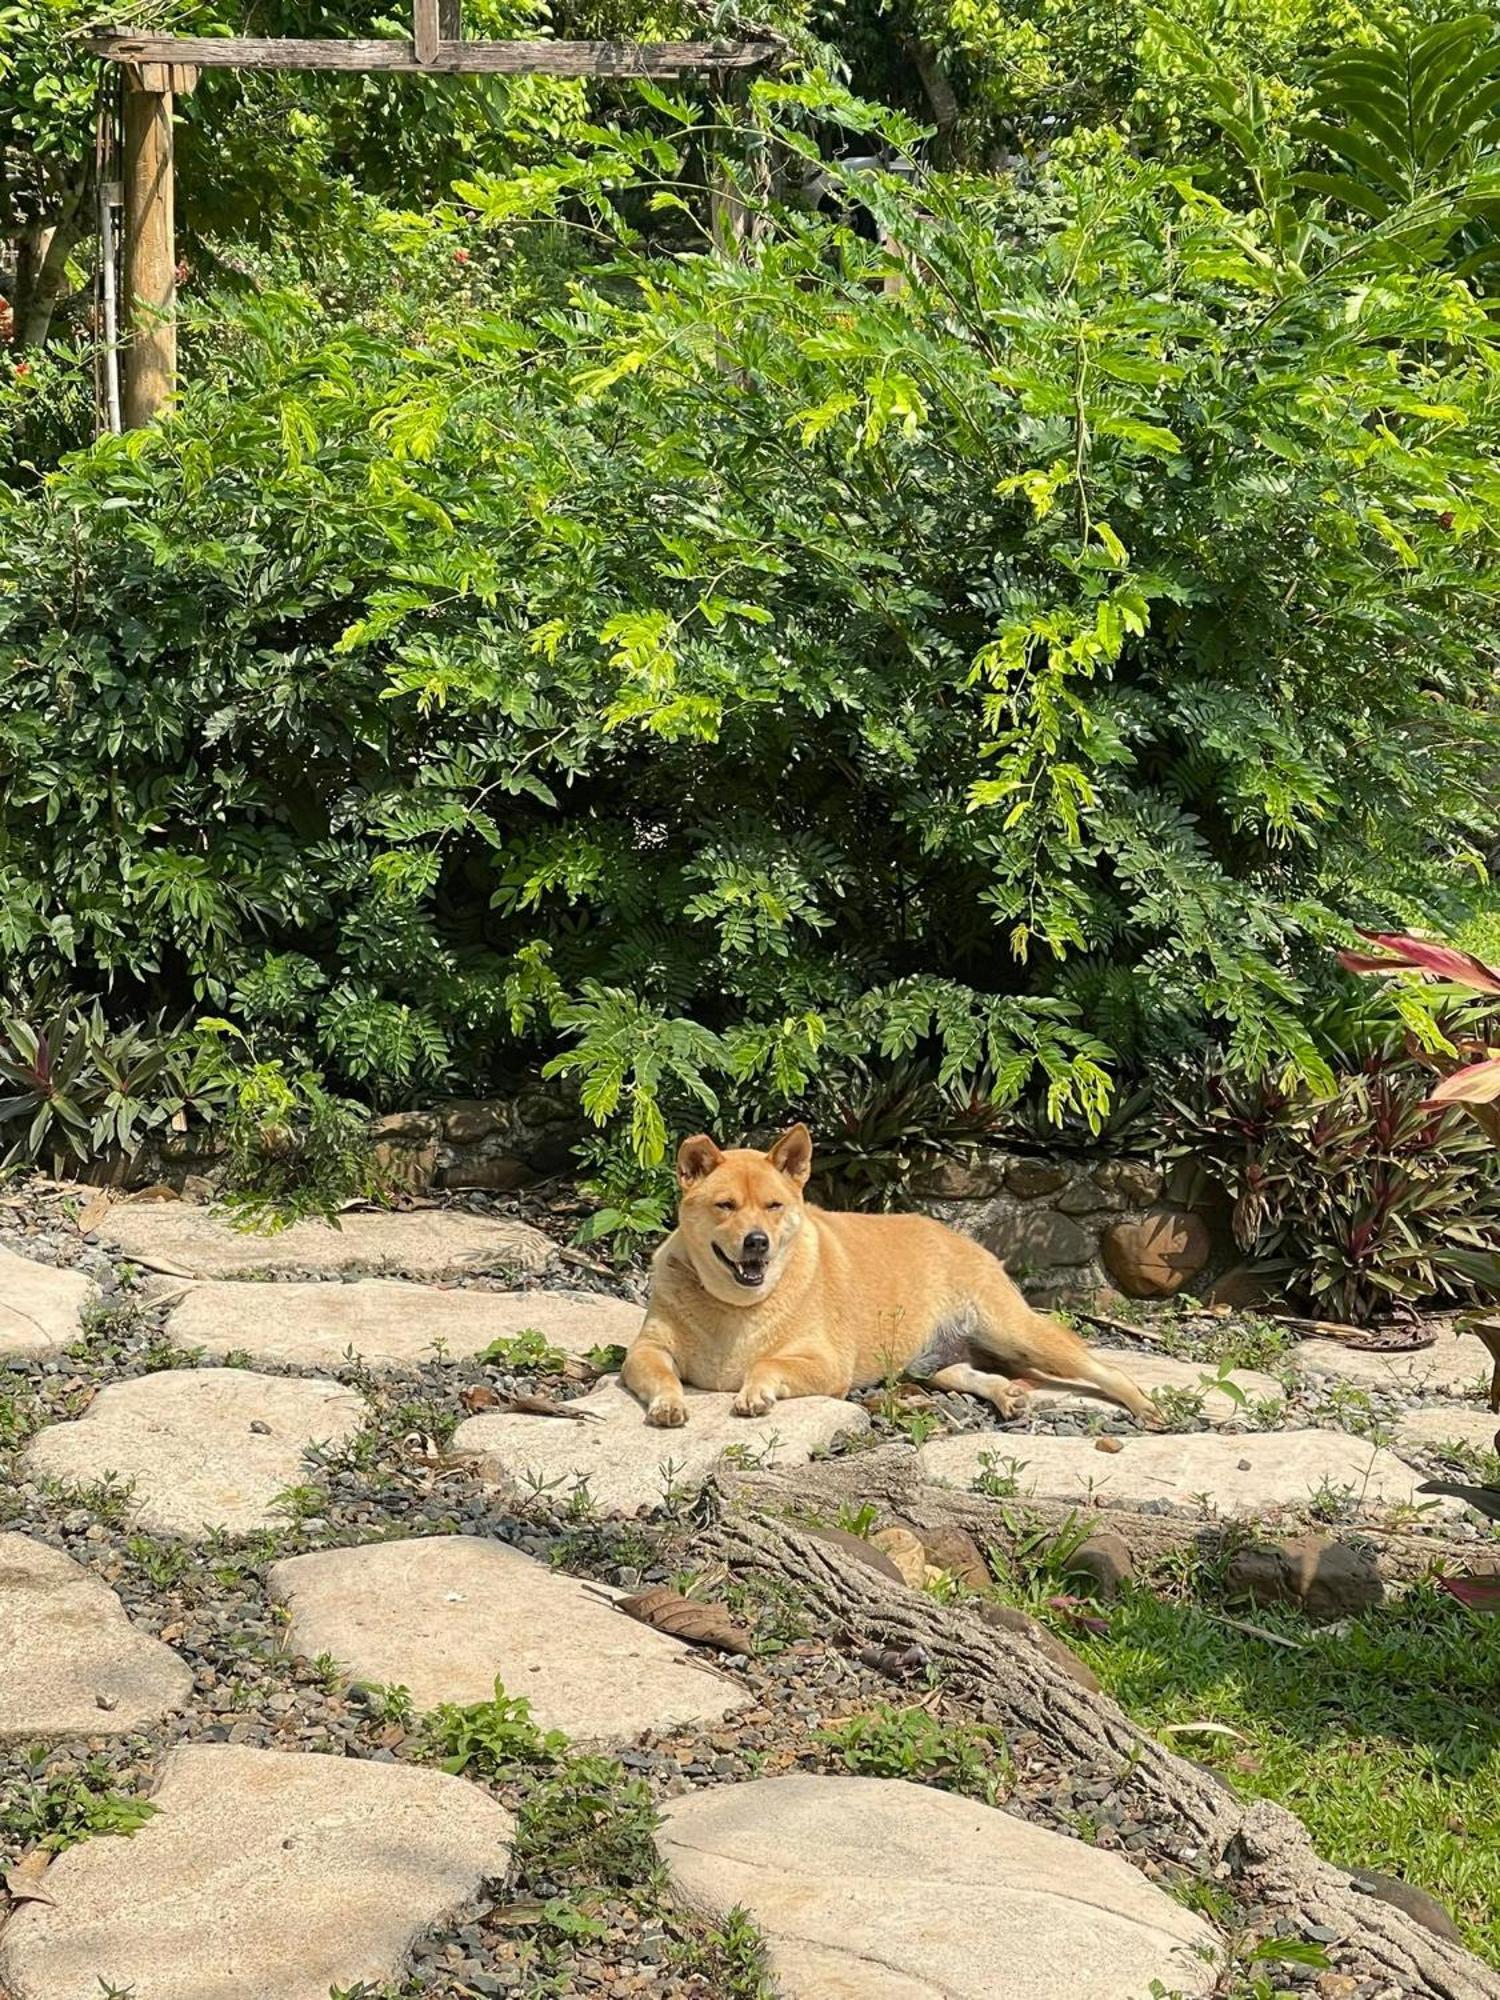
387, 1323
629, 1465
1161, 1371
443, 1615
200, 1448
41, 1307
1250, 1474
1455, 1365
264, 1876
1473, 1424
874, 1889
422, 1243
73, 1664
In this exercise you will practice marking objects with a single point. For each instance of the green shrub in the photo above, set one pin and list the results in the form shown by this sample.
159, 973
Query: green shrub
747, 676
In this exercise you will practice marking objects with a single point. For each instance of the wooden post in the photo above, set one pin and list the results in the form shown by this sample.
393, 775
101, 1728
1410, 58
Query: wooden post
150, 261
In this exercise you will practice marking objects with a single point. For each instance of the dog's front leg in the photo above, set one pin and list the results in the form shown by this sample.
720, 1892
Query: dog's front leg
774, 1377
650, 1374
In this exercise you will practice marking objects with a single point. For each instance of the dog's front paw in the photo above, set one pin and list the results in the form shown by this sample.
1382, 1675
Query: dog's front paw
754, 1402
1152, 1418
668, 1413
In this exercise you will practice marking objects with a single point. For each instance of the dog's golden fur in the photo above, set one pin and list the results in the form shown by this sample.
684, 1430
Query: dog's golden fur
759, 1292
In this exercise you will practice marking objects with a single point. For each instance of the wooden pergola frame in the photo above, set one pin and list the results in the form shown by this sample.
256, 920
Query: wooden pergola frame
158, 68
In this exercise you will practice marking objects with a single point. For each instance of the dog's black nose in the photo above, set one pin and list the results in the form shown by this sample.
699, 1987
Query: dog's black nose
756, 1244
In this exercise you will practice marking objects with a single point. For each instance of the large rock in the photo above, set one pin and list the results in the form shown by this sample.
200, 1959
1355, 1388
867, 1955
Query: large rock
1031, 1238
1202, 1469
1455, 1365
423, 1243
388, 1324
41, 1307
443, 1615
1163, 1371
873, 1889
1327, 1579
629, 1467
262, 1876
199, 1448
1159, 1255
74, 1663
1471, 1426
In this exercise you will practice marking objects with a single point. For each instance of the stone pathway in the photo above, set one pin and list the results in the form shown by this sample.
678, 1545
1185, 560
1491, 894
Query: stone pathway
41, 1308
872, 1889
1456, 1365
422, 1243
387, 1324
262, 1877
1224, 1398
282, 1874
199, 1450
1201, 1472
629, 1467
442, 1616
73, 1664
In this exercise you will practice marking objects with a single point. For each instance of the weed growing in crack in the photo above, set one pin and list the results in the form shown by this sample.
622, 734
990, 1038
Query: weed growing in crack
886, 1742
65, 1807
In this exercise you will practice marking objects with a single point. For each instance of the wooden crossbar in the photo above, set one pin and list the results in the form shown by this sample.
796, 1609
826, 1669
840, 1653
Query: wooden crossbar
450, 58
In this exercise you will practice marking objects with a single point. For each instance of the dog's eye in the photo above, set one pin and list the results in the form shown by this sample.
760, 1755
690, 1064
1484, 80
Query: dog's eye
775, 1206
725, 1207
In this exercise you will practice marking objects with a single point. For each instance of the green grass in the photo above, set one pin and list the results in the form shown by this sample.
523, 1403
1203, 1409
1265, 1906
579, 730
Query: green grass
1384, 1739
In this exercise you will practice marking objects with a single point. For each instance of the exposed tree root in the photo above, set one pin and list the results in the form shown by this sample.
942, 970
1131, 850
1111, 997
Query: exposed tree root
1267, 1848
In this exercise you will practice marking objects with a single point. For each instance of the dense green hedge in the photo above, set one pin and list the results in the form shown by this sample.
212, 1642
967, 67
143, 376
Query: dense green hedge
739, 668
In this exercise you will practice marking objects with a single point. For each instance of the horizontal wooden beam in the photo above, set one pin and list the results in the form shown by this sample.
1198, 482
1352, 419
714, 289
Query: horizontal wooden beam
448, 58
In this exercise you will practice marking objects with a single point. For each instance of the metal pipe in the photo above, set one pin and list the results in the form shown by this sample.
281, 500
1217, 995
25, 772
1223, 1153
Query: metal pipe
111, 196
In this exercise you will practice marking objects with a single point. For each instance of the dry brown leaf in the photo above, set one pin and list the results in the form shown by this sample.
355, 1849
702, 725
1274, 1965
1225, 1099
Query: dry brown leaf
479, 1396
699, 1624
894, 1661
91, 1216
545, 1406
23, 1882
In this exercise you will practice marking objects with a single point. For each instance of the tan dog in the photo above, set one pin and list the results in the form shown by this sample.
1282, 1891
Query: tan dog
757, 1291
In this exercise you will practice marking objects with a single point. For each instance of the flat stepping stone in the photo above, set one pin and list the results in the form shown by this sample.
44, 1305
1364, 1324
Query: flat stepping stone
423, 1243
200, 1448
388, 1324
74, 1663
1455, 1365
874, 1889
263, 1876
1162, 1371
41, 1307
1475, 1426
629, 1466
442, 1615
1228, 1475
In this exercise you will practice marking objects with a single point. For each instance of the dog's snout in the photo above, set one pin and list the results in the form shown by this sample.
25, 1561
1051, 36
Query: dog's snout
756, 1243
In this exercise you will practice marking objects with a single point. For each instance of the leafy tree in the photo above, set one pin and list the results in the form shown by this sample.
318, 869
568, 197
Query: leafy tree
1013, 651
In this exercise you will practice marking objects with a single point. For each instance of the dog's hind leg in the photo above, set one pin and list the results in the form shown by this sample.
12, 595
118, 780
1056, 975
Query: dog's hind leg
1033, 1343
1008, 1397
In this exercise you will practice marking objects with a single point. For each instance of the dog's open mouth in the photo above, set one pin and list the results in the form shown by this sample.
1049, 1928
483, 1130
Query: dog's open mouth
751, 1273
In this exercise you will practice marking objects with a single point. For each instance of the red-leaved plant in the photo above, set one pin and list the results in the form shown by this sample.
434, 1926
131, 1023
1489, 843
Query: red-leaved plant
1475, 1084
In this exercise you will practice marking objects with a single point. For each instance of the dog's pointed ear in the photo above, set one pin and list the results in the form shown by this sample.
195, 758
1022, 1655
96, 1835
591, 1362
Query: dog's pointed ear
792, 1155
696, 1159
